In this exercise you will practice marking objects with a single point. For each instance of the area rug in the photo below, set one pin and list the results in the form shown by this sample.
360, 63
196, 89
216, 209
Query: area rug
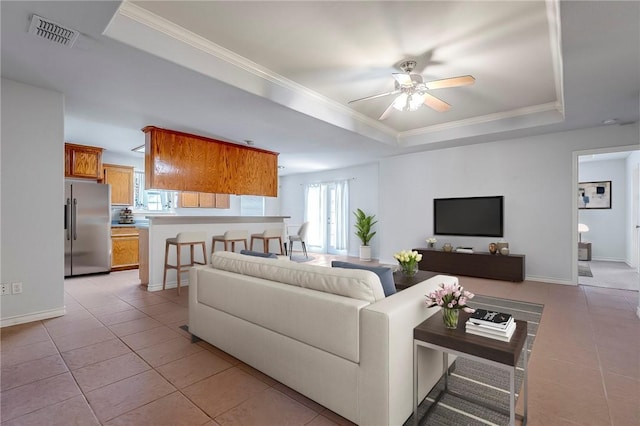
486, 383
584, 270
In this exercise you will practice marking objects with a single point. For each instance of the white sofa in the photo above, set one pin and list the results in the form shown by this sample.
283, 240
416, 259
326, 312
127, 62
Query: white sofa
328, 333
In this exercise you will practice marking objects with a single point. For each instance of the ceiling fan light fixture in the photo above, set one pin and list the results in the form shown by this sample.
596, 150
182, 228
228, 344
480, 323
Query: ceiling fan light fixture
400, 103
416, 101
408, 102
413, 92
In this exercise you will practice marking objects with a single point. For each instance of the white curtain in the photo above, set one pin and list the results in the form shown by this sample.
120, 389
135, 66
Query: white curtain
317, 199
342, 215
314, 213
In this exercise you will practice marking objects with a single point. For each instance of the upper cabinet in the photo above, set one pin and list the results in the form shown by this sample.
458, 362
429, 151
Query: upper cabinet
223, 201
203, 200
82, 161
121, 180
184, 162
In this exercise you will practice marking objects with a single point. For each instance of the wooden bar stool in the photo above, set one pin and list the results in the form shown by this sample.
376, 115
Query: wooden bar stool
190, 239
266, 236
232, 237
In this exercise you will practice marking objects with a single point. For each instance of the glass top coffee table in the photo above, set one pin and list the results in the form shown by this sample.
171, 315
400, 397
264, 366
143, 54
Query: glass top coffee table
432, 333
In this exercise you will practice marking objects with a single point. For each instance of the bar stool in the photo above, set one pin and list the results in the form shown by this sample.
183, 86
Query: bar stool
232, 237
266, 236
190, 239
300, 236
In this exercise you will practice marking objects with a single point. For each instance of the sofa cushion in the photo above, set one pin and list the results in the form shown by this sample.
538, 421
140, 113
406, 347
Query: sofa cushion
355, 283
259, 254
385, 274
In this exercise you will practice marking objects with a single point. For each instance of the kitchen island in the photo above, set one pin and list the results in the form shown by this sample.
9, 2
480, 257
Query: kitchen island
154, 235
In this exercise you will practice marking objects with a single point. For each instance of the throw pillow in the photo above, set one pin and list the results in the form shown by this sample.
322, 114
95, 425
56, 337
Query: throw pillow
385, 274
259, 254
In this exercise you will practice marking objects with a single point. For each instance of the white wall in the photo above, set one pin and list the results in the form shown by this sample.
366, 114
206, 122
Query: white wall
135, 160
633, 175
363, 194
535, 175
32, 193
632, 165
607, 227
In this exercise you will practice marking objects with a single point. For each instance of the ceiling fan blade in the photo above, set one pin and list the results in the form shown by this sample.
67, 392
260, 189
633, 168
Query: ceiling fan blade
435, 103
403, 78
393, 92
463, 80
386, 112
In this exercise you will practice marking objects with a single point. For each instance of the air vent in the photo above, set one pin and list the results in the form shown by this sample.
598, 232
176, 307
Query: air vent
51, 31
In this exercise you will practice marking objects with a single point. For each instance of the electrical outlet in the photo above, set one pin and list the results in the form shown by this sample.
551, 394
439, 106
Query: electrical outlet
16, 288
4, 289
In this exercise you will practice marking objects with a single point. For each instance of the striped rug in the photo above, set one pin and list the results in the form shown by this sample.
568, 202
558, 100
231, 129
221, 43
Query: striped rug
481, 381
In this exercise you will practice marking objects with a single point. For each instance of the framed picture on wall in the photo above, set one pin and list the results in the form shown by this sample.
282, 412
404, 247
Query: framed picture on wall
594, 195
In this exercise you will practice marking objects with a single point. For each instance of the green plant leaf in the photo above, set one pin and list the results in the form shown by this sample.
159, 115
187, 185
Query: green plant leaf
363, 226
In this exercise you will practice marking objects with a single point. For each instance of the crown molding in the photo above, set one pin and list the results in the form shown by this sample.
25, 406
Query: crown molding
473, 121
157, 23
131, 21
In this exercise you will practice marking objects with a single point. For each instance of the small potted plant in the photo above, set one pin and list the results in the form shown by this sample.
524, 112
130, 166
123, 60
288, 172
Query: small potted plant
451, 298
408, 261
431, 241
364, 225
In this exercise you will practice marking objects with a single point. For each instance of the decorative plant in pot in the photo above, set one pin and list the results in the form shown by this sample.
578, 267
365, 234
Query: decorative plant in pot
364, 224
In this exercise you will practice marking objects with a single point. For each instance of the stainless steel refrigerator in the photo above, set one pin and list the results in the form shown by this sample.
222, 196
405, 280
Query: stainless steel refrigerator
87, 228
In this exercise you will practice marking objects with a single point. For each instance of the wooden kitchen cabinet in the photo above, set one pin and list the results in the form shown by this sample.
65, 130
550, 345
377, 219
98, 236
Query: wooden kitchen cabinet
223, 201
207, 200
121, 180
188, 199
82, 161
179, 161
124, 248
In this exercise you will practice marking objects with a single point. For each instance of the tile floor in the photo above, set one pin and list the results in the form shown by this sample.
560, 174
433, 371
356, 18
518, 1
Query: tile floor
118, 357
611, 275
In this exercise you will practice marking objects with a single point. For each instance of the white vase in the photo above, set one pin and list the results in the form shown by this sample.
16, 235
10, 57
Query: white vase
365, 253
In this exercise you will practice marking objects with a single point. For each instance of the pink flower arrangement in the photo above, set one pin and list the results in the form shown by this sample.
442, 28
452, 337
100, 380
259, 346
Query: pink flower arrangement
451, 296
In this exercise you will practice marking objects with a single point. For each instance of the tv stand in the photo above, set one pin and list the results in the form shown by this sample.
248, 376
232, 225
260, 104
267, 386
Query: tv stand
477, 264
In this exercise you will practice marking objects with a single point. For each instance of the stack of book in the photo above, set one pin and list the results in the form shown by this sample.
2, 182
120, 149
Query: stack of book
491, 324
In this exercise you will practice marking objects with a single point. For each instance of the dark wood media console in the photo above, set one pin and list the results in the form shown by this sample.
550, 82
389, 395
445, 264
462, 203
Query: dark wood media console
479, 264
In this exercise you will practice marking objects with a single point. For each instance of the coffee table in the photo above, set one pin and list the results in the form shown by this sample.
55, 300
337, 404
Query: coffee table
402, 282
432, 333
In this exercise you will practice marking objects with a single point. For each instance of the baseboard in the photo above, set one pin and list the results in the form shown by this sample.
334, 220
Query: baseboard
549, 280
170, 284
609, 259
36, 316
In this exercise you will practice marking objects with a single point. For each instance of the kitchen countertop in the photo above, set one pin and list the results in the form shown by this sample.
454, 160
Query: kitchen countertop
188, 219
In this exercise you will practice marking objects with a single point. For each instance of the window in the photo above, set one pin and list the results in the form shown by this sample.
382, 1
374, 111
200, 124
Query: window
251, 205
152, 200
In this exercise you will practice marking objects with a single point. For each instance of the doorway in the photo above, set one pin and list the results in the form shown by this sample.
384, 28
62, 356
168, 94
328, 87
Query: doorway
327, 211
611, 234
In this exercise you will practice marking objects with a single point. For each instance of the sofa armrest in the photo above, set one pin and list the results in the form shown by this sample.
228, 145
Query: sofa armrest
386, 354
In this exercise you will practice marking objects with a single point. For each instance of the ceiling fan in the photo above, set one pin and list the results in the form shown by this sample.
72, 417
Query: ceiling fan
412, 91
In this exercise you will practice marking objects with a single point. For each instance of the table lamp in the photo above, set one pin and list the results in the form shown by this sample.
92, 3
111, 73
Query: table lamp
582, 228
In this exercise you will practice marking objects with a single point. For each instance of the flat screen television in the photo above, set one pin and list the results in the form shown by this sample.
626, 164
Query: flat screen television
470, 216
